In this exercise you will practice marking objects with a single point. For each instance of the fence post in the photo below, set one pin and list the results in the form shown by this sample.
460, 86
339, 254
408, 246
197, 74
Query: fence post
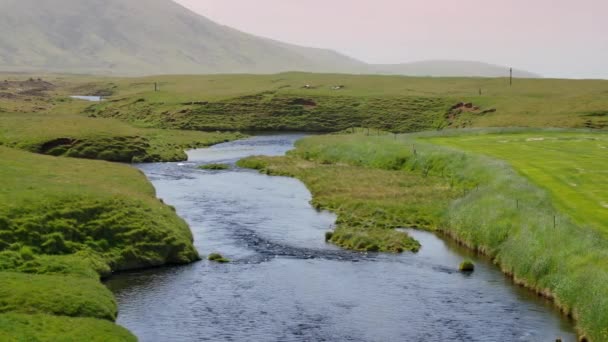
554, 221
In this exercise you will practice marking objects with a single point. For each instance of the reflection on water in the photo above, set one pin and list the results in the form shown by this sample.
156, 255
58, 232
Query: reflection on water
87, 98
286, 284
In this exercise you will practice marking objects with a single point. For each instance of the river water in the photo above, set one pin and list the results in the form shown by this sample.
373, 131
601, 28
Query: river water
286, 284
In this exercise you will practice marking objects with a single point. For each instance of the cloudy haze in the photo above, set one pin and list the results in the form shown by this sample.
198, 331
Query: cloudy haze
556, 38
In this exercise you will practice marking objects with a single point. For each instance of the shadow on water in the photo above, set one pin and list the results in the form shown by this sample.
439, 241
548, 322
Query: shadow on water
286, 284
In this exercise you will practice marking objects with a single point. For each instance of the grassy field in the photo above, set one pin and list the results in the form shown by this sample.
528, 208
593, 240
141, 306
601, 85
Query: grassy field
319, 102
492, 206
66, 222
572, 167
105, 139
37, 327
400, 104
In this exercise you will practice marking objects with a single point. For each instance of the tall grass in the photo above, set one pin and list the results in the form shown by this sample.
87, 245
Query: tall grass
495, 211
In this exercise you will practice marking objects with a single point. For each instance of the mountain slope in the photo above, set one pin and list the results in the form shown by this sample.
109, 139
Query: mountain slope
132, 36
449, 68
135, 37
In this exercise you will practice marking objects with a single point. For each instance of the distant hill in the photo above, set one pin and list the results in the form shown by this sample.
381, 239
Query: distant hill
450, 69
135, 37
141, 37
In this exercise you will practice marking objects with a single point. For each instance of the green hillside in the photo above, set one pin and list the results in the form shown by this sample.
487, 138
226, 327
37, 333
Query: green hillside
128, 37
125, 37
332, 102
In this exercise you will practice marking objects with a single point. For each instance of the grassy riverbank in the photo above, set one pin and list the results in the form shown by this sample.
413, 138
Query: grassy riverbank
484, 203
64, 223
106, 139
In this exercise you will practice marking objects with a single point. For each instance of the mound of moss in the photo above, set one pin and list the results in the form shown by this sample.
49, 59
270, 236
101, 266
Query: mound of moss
373, 240
466, 266
55, 295
216, 257
214, 167
64, 223
40, 327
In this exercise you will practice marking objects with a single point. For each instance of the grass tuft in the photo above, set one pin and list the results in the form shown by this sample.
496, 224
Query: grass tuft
214, 167
216, 257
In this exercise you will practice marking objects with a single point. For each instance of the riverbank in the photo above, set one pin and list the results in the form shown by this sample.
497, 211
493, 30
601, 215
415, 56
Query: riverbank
285, 283
484, 203
64, 224
102, 139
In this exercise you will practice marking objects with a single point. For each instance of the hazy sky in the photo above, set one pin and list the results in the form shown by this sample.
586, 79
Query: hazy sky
556, 38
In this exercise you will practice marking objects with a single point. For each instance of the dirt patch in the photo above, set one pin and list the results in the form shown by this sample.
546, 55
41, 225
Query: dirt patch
30, 87
56, 144
459, 108
597, 113
8, 96
596, 124
303, 102
199, 103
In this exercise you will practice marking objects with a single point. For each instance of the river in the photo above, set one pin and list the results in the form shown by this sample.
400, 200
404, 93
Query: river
286, 284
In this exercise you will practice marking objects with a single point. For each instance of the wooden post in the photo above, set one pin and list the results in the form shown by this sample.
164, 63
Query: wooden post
479, 91
554, 221
517, 204
511, 77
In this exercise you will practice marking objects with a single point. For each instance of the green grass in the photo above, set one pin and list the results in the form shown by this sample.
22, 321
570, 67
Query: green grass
20, 327
106, 139
66, 222
370, 202
466, 266
214, 167
487, 204
216, 257
572, 167
61, 206
55, 295
393, 103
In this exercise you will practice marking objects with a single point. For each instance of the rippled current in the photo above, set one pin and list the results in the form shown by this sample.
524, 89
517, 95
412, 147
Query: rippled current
286, 284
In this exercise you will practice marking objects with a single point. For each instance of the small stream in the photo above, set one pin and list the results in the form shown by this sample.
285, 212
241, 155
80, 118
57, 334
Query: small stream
286, 284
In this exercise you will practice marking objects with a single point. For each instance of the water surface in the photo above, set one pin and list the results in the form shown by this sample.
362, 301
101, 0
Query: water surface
87, 98
286, 284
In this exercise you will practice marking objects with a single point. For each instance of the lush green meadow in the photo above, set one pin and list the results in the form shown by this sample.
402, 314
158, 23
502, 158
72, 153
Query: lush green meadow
311, 102
489, 205
572, 167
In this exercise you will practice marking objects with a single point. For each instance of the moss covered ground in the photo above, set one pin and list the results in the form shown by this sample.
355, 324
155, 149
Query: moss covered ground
66, 222
507, 211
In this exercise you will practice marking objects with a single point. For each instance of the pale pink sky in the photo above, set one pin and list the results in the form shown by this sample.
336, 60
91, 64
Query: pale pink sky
556, 38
